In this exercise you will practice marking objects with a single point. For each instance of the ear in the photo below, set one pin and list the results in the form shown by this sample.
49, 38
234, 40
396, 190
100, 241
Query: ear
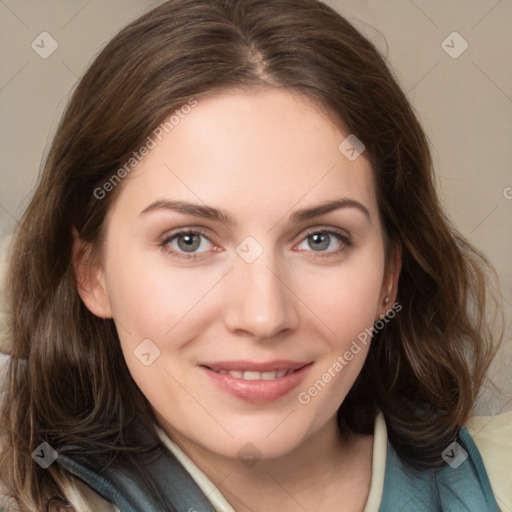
390, 283
90, 278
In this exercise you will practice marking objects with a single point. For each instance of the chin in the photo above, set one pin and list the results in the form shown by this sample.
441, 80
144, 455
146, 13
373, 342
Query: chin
280, 439
249, 450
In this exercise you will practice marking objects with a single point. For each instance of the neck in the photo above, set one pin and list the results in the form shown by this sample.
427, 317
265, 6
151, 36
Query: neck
326, 472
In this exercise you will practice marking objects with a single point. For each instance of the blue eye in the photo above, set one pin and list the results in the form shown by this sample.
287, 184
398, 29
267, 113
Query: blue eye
319, 240
184, 244
188, 241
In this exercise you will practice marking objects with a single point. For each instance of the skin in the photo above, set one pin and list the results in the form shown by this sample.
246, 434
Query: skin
260, 156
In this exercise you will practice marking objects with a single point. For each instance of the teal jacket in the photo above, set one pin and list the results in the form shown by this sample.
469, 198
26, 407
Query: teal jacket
460, 487
465, 488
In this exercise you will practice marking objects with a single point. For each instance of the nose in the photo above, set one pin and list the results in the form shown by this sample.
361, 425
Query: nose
260, 300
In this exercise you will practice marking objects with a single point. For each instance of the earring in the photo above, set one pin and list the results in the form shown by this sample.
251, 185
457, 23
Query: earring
386, 300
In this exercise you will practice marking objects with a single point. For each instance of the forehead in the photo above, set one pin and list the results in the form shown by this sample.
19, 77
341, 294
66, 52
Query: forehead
258, 151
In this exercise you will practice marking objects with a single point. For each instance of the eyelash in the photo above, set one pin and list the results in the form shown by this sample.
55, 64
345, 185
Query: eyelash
340, 235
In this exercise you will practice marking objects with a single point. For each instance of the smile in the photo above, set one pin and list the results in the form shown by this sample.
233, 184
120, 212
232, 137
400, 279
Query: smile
249, 375
256, 382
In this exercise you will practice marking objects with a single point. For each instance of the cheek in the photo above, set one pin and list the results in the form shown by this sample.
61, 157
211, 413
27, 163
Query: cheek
345, 303
148, 297
345, 299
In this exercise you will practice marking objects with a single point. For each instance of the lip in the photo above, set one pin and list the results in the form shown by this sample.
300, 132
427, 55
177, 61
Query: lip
257, 391
269, 366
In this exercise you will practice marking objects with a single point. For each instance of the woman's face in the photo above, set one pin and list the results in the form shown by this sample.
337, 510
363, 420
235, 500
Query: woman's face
265, 281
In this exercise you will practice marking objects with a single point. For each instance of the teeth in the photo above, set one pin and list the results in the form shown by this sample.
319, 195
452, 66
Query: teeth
251, 375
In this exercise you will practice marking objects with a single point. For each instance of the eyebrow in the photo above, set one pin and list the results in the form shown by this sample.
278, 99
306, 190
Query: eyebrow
208, 212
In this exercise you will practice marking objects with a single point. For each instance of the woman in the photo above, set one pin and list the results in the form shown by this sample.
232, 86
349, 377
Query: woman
235, 288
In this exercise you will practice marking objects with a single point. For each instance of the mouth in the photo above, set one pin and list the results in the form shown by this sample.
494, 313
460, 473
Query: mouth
257, 382
251, 375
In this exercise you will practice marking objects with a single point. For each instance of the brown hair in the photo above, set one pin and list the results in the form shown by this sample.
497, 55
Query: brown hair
67, 380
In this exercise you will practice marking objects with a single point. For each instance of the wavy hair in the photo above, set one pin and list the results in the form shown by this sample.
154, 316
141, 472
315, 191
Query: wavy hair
67, 381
